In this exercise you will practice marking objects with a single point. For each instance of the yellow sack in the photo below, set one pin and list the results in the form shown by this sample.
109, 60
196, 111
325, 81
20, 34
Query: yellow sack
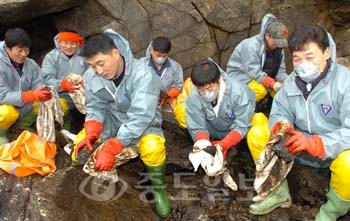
27, 155
259, 90
258, 135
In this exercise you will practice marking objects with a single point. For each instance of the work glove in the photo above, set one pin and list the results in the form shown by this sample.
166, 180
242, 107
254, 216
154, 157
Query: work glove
93, 128
105, 158
39, 94
68, 86
202, 140
231, 139
173, 92
269, 82
163, 95
277, 86
300, 142
276, 127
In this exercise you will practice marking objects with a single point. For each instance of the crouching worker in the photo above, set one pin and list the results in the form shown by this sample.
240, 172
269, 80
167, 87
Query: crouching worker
65, 59
20, 84
315, 100
217, 109
168, 70
122, 109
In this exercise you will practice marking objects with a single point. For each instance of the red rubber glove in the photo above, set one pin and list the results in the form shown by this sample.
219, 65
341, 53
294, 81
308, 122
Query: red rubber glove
93, 128
39, 94
201, 136
173, 92
68, 86
231, 139
268, 82
105, 158
299, 142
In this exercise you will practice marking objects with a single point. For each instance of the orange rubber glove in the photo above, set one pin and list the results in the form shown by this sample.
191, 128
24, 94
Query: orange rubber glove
268, 82
105, 158
93, 128
39, 94
173, 92
68, 86
299, 142
231, 139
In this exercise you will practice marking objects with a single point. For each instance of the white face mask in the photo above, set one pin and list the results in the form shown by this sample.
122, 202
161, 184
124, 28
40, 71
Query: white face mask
210, 96
307, 71
160, 60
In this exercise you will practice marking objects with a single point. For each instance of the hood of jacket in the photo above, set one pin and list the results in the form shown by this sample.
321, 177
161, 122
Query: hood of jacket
123, 47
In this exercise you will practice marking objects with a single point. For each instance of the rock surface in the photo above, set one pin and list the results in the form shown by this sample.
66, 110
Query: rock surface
69, 194
197, 28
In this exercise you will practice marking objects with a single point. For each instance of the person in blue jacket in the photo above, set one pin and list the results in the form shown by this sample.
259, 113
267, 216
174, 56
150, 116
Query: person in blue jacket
168, 70
122, 109
64, 59
20, 83
315, 101
258, 61
218, 109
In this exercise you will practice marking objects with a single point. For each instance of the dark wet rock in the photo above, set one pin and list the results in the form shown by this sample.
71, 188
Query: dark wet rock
70, 194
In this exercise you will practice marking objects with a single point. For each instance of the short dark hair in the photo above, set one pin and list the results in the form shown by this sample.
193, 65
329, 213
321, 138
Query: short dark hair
306, 34
204, 73
17, 37
161, 44
97, 43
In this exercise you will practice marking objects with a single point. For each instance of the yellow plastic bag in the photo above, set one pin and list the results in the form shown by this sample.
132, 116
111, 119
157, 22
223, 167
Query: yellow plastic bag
27, 155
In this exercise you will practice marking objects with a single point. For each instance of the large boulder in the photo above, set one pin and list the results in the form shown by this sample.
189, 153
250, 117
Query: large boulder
17, 11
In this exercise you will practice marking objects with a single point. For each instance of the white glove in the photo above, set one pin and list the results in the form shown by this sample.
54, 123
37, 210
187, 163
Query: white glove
201, 144
197, 155
277, 86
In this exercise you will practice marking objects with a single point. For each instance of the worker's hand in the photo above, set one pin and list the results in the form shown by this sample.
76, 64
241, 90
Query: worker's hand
105, 158
68, 86
93, 128
39, 94
173, 92
277, 86
163, 95
268, 82
277, 126
201, 144
230, 140
300, 142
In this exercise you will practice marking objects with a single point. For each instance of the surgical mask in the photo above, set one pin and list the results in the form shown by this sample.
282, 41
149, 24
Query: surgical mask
210, 96
160, 60
307, 71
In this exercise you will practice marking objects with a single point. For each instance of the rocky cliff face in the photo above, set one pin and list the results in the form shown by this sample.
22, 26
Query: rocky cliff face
198, 29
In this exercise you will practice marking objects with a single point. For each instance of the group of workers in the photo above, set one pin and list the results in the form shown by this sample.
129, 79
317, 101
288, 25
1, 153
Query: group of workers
125, 95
